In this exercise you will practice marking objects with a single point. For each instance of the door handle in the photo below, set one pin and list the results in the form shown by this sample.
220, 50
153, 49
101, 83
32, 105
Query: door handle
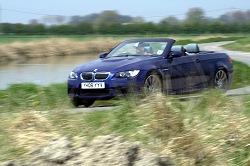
165, 69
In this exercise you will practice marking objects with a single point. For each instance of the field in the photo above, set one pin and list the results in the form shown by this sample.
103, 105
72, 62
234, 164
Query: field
241, 45
21, 48
212, 129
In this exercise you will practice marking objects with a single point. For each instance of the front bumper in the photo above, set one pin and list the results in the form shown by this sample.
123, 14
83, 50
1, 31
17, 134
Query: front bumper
113, 87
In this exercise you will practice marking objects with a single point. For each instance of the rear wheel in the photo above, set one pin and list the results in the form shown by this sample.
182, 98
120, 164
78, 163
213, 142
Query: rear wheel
221, 80
152, 84
86, 102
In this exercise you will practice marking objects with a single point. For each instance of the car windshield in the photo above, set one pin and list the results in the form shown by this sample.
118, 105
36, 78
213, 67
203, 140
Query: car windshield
139, 48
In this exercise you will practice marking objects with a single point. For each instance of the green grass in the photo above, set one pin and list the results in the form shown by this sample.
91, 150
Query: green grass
200, 127
20, 96
205, 125
208, 40
210, 130
241, 75
6, 39
184, 39
240, 45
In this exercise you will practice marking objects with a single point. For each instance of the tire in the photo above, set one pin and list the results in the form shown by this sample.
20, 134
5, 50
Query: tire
221, 80
152, 84
87, 102
75, 101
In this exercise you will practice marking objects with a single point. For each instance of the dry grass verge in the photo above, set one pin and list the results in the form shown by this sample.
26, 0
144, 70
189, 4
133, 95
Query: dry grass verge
30, 129
211, 130
52, 48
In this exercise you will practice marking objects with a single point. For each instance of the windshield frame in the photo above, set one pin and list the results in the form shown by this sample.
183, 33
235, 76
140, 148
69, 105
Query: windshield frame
167, 41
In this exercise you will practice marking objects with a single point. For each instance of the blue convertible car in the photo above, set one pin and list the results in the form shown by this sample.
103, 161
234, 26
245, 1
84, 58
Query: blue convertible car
149, 65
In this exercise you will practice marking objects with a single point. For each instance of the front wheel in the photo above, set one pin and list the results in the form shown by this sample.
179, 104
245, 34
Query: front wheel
221, 80
86, 102
152, 84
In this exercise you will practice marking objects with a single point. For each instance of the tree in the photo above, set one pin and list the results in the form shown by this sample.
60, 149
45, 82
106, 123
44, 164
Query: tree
171, 20
108, 16
138, 20
34, 21
59, 19
238, 17
36, 29
195, 15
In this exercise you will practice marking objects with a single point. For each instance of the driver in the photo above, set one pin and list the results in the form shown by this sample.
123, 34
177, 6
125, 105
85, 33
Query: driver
141, 50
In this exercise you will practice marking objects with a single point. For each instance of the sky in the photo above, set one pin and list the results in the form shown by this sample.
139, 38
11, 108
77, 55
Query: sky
22, 11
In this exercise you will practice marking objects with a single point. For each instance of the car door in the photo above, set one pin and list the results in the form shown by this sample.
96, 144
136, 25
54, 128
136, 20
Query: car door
180, 73
205, 69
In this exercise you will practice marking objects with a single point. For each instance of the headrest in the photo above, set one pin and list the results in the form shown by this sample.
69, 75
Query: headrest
192, 48
178, 48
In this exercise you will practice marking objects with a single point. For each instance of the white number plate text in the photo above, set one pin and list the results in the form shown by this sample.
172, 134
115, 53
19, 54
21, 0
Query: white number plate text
93, 85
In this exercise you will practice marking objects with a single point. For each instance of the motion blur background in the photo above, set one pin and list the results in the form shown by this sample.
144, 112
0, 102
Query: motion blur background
123, 17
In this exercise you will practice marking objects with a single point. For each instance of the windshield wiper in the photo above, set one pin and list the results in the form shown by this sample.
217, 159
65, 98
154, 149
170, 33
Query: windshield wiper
126, 55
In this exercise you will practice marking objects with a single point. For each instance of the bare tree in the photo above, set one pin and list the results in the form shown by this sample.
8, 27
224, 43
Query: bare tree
195, 15
33, 21
171, 20
138, 20
108, 16
59, 19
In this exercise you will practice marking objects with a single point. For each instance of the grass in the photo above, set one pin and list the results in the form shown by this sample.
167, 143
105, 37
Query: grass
241, 75
21, 48
240, 45
7, 39
208, 40
55, 47
210, 130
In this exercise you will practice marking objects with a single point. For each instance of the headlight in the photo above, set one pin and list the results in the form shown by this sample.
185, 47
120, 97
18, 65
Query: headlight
127, 74
73, 75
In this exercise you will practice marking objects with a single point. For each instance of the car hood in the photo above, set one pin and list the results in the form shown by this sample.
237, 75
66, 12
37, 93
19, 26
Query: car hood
115, 63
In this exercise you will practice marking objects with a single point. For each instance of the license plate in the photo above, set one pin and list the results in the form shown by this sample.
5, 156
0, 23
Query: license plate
93, 85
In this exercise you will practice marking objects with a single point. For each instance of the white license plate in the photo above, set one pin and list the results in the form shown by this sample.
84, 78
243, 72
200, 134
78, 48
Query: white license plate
93, 85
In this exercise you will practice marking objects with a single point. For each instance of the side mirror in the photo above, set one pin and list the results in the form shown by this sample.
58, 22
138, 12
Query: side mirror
176, 54
103, 55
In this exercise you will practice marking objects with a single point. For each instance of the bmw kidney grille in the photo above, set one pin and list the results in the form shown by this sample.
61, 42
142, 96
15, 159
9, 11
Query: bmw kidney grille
96, 76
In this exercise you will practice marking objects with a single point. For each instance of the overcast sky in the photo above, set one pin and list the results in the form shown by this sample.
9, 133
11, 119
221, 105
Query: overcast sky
22, 11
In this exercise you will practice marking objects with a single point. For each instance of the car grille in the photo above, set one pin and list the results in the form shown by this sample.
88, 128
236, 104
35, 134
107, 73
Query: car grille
94, 92
96, 76
101, 76
87, 76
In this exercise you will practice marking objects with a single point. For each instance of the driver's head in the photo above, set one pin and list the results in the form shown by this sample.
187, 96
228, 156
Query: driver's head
139, 47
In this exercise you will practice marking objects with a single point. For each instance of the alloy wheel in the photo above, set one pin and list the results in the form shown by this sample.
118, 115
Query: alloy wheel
221, 81
152, 84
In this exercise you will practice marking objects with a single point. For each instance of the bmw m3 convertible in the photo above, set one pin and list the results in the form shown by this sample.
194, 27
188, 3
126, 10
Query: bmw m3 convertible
149, 65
